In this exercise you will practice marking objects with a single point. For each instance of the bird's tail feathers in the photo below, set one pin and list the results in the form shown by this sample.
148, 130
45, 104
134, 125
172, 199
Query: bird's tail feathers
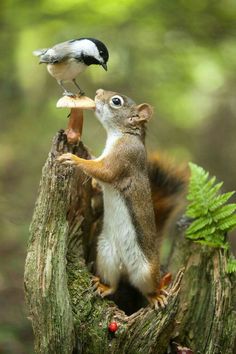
39, 52
44, 56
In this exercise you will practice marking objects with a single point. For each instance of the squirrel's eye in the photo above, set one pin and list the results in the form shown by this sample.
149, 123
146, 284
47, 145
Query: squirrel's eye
116, 101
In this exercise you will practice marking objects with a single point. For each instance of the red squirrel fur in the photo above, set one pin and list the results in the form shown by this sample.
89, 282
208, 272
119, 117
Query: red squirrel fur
138, 200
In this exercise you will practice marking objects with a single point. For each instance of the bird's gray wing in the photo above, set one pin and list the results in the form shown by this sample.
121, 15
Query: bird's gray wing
56, 54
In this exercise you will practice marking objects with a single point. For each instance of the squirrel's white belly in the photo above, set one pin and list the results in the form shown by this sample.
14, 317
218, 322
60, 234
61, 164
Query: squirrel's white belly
118, 249
67, 70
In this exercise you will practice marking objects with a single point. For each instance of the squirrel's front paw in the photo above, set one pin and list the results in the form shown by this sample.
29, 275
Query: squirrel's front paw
68, 159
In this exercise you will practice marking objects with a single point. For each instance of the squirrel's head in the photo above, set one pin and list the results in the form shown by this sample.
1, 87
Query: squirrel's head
119, 112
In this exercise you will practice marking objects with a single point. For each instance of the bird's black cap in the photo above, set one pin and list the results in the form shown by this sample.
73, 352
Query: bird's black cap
101, 48
103, 51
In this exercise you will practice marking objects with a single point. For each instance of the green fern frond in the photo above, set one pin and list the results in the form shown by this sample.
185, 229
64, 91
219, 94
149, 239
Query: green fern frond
231, 265
197, 225
217, 244
213, 219
221, 200
224, 211
203, 233
228, 223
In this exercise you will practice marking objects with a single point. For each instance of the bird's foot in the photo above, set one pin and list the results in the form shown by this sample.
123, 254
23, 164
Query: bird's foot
81, 93
69, 94
68, 159
159, 299
101, 289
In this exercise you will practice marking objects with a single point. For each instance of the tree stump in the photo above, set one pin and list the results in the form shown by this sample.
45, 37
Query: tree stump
67, 317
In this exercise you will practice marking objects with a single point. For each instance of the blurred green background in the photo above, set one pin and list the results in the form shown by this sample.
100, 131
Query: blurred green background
179, 56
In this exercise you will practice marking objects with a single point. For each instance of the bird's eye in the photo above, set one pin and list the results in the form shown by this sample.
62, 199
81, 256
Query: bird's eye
116, 101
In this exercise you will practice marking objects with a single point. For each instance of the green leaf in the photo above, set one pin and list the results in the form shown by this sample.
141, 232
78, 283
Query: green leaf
201, 234
195, 211
224, 211
228, 223
207, 206
231, 265
211, 192
221, 200
217, 244
198, 225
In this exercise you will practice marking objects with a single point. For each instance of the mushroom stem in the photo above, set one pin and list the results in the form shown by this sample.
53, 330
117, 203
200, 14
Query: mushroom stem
75, 125
77, 104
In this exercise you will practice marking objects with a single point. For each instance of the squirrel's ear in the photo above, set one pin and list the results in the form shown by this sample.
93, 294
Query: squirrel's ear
145, 112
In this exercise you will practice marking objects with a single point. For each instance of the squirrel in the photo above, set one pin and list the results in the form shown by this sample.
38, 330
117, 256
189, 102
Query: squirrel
128, 245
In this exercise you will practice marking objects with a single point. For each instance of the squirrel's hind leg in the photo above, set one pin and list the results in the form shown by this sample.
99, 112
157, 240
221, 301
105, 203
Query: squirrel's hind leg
102, 289
107, 268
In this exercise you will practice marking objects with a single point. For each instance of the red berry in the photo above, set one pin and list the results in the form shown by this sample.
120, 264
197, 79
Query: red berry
113, 327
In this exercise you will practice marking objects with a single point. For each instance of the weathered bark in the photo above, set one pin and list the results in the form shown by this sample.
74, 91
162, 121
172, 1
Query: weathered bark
206, 315
65, 313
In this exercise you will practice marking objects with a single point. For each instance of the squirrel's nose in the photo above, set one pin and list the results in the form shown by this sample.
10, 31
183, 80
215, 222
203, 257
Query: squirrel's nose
99, 92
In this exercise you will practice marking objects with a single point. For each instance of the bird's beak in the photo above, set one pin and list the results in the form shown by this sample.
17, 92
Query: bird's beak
104, 65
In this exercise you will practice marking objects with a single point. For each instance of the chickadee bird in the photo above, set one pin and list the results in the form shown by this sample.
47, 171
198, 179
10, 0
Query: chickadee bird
68, 59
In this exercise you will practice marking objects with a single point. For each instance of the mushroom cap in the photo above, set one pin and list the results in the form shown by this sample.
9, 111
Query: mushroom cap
80, 102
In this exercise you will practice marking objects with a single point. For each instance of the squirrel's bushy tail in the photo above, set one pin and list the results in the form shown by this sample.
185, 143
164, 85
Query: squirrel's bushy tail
168, 185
